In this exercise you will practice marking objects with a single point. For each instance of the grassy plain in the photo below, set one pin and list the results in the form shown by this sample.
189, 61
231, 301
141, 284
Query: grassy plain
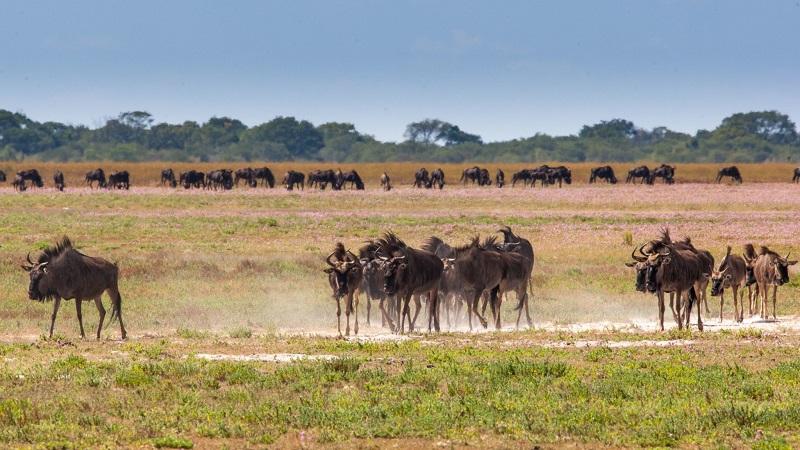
240, 273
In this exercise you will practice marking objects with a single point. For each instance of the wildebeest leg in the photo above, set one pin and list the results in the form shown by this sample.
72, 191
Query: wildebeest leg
433, 310
699, 316
354, 310
369, 310
102, 312
660, 310
672, 306
496, 299
774, 302
56, 304
339, 315
417, 306
80, 316
762, 291
737, 313
722, 302
475, 310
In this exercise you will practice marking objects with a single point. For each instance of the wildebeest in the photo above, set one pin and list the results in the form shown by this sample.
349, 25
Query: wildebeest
665, 172
351, 177
168, 177
33, 176
732, 172
795, 178
523, 175
642, 172
407, 272
119, 180
771, 269
500, 178
372, 281
422, 178
604, 173
515, 279
192, 179
730, 275
58, 180
437, 179
247, 174
749, 254
2, 177
450, 285
476, 175
292, 179
321, 178
265, 175
62, 272
97, 175
386, 183
19, 183
220, 179
344, 276
522, 246
559, 174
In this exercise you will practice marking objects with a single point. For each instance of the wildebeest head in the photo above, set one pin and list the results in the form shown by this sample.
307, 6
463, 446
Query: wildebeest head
718, 281
341, 273
639, 264
394, 271
782, 268
41, 279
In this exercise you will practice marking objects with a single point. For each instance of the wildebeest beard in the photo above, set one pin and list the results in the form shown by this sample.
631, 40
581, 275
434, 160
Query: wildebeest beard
394, 271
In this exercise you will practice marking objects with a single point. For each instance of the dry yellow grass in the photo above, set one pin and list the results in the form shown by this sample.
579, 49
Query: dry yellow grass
148, 174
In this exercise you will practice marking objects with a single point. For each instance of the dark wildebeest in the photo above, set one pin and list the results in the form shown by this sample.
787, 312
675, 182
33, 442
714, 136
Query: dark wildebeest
192, 178
516, 279
523, 175
472, 174
292, 178
344, 276
96, 175
321, 178
771, 269
19, 183
559, 174
542, 174
523, 247
2, 177
265, 175
61, 272
749, 254
119, 180
386, 183
795, 178
421, 178
168, 177
665, 172
732, 172
604, 173
484, 179
642, 172
450, 285
730, 275
407, 272
220, 179
353, 178
674, 268
500, 178
372, 282
437, 179
33, 176
58, 180
247, 174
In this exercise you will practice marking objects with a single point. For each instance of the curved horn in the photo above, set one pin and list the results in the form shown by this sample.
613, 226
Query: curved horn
355, 258
638, 258
29, 259
328, 260
642, 252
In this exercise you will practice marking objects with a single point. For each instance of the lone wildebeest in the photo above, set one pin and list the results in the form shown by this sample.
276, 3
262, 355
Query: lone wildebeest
292, 179
119, 180
407, 272
192, 179
730, 275
604, 173
62, 272
265, 175
386, 183
58, 180
96, 175
168, 177
344, 276
795, 178
500, 178
422, 178
642, 172
437, 179
732, 172
771, 269
33, 176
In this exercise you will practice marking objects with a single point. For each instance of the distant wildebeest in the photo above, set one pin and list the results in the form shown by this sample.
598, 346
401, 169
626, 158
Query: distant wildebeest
192, 179
422, 179
771, 269
732, 172
795, 178
119, 180
62, 272
351, 177
665, 172
437, 179
523, 175
292, 179
407, 272
246, 174
344, 277
97, 175
500, 178
321, 179
19, 183
604, 173
168, 177
560, 174
543, 174
642, 172
58, 180
386, 183
265, 175
2, 177
730, 275
220, 179
476, 175
485, 179
33, 176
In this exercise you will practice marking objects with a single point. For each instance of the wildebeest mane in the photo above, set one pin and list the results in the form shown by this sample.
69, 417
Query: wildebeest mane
438, 247
474, 242
750, 251
390, 243
61, 247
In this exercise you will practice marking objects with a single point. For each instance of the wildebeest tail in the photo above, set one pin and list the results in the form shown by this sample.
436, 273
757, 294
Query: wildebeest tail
692, 297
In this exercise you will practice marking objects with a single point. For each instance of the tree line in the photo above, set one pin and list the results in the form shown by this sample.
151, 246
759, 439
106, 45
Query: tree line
135, 136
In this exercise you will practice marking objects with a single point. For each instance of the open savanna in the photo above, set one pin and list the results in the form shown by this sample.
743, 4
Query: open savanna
401, 173
240, 273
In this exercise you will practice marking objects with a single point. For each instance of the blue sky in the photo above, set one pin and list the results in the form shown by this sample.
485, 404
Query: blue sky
502, 69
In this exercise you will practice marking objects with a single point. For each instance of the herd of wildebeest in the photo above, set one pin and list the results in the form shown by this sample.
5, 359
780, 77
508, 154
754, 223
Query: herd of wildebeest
227, 178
